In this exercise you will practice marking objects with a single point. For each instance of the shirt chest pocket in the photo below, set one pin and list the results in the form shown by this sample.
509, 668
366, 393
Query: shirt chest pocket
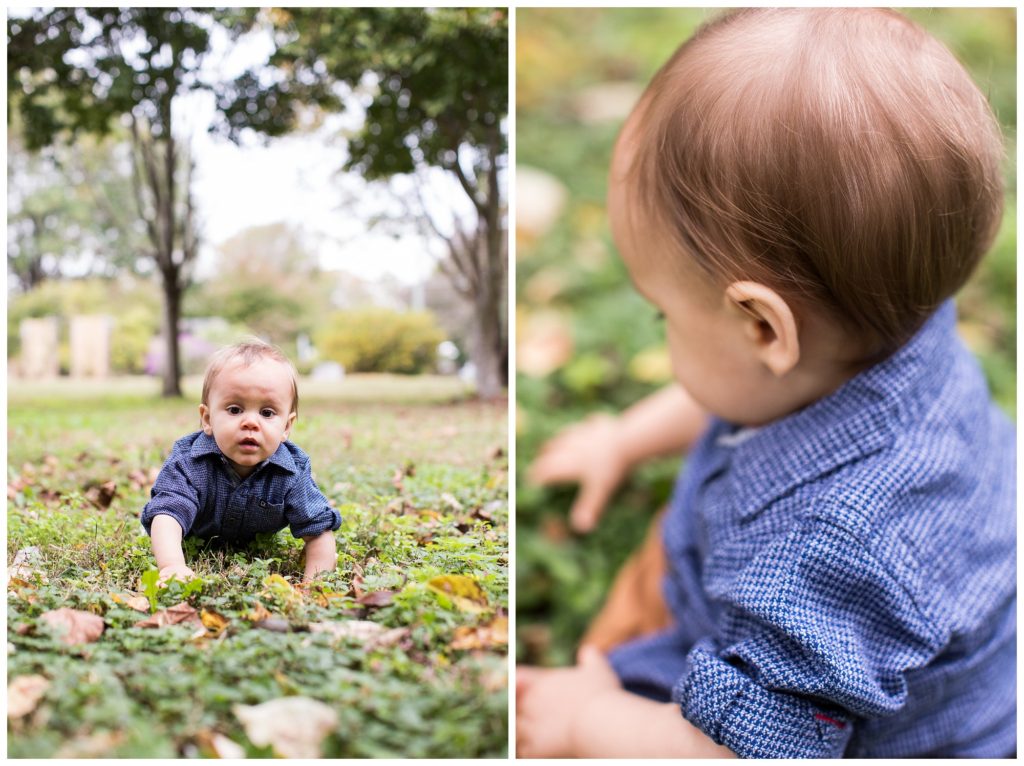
263, 515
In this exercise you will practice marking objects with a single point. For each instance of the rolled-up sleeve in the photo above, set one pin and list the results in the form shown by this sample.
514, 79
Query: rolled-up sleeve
306, 508
815, 634
173, 494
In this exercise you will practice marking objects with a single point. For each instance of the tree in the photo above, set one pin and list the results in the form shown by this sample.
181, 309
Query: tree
73, 71
434, 86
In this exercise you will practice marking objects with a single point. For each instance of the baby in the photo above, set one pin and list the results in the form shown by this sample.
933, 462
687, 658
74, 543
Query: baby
239, 475
800, 192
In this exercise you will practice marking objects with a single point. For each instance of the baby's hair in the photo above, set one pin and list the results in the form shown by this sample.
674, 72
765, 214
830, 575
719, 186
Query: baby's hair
248, 351
842, 156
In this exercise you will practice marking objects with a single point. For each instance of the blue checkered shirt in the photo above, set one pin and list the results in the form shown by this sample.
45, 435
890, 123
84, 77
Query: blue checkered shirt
199, 489
844, 579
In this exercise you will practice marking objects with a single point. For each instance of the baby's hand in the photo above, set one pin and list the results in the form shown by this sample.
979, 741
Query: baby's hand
182, 572
551, 703
589, 453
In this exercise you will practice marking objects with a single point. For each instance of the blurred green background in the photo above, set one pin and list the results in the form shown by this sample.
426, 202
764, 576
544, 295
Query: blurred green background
587, 342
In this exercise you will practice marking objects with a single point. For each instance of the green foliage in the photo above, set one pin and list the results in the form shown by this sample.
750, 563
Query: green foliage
571, 278
417, 698
441, 76
380, 340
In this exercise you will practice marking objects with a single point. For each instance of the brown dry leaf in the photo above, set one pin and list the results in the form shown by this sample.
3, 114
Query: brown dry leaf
26, 565
396, 480
464, 592
494, 633
363, 631
257, 613
74, 625
451, 501
24, 694
293, 726
214, 622
131, 600
179, 614
212, 744
91, 745
377, 598
102, 495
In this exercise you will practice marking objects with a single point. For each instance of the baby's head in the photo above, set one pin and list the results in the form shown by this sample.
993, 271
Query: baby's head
250, 401
798, 190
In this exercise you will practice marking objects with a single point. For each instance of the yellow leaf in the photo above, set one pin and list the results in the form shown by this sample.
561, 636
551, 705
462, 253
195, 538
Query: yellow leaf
257, 613
138, 603
215, 623
463, 591
494, 633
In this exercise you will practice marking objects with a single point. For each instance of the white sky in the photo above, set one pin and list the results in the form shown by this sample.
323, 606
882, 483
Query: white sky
295, 180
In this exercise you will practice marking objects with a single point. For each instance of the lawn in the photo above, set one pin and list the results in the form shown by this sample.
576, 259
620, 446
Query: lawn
401, 652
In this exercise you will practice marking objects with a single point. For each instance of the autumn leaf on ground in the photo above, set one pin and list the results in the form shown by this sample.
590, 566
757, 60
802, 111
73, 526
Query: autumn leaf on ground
179, 614
131, 600
371, 634
215, 623
451, 501
293, 726
102, 495
24, 694
74, 625
215, 745
257, 613
26, 565
95, 745
377, 598
489, 636
276, 587
463, 591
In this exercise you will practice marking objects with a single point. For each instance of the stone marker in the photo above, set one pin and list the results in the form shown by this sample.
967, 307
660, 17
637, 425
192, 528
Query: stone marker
39, 355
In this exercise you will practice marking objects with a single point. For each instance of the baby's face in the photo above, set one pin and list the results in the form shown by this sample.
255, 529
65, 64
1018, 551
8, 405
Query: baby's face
249, 412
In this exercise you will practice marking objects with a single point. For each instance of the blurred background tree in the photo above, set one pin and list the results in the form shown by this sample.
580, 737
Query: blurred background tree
587, 342
433, 84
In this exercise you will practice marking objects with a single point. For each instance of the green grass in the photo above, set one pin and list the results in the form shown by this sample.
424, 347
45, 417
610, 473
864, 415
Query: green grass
140, 692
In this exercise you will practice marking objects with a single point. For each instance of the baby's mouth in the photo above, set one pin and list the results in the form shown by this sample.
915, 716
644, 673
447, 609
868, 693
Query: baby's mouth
249, 443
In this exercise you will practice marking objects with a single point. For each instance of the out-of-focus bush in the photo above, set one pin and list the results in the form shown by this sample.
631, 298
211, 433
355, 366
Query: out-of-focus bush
381, 340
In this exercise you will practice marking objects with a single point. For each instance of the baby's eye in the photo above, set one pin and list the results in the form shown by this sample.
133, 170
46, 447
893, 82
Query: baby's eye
267, 412
234, 409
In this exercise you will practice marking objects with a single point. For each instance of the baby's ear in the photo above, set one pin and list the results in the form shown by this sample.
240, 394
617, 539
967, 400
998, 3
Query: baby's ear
289, 424
768, 324
204, 420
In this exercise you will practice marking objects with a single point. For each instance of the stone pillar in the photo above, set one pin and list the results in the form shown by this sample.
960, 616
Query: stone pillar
39, 351
90, 346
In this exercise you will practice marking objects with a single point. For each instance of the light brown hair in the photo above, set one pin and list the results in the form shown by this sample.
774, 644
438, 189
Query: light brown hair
247, 352
842, 156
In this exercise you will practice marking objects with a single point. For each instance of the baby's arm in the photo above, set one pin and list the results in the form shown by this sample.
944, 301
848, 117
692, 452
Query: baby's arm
600, 451
583, 712
165, 534
321, 555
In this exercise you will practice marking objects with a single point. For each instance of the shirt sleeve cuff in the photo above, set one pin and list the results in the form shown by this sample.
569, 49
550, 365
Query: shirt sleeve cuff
328, 521
754, 722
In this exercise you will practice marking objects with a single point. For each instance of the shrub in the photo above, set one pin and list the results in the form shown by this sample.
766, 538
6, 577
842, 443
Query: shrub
381, 340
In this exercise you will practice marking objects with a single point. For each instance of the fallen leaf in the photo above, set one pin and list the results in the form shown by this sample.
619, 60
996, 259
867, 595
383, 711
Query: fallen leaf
494, 452
26, 565
451, 501
214, 744
377, 598
463, 591
102, 495
293, 726
494, 633
24, 694
396, 480
362, 631
257, 613
91, 745
131, 600
179, 614
214, 622
74, 625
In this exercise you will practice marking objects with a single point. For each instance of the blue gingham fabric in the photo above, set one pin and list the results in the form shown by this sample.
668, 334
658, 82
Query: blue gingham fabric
844, 579
199, 489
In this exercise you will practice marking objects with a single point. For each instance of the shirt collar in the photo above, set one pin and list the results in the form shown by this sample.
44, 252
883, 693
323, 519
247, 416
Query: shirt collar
207, 445
856, 420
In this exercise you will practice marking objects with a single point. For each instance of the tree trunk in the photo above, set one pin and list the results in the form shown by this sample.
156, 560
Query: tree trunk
487, 353
172, 313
